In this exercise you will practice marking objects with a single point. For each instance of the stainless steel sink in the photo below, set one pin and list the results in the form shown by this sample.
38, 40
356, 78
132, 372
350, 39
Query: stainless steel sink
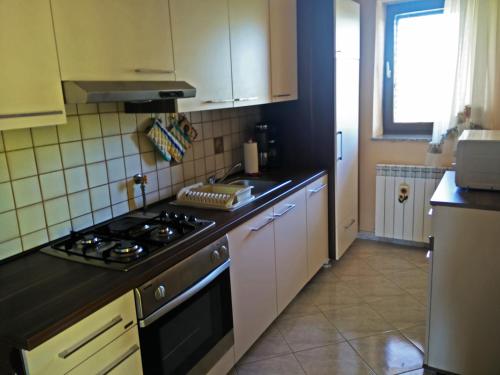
261, 187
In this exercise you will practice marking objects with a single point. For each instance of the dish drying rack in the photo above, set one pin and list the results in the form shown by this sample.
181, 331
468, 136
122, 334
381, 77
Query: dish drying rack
214, 196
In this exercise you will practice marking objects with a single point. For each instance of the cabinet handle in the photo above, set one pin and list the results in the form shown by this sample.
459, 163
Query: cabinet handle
153, 71
350, 224
66, 353
281, 95
268, 220
214, 101
31, 114
288, 208
318, 189
119, 360
246, 99
431, 247
341, 145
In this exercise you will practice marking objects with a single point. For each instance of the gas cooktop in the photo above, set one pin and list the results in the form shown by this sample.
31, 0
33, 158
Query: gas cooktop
126, 242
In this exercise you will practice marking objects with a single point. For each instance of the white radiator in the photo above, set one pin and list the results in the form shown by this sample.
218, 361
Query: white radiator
405, 216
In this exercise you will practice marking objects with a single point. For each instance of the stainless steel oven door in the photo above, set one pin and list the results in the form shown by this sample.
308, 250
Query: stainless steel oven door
190, 333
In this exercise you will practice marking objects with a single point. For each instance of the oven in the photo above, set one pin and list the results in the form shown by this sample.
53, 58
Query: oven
185, 314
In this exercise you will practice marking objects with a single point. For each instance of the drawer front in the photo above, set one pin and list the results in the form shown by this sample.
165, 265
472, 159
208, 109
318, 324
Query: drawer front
121, 357
77, 343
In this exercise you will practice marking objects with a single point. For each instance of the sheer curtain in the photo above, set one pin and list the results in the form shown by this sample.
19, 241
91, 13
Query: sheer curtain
468, 87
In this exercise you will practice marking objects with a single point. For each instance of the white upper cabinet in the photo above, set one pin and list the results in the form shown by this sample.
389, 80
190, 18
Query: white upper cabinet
283, 21
200, 31
114, 40
31, 93
347, 30
250, 52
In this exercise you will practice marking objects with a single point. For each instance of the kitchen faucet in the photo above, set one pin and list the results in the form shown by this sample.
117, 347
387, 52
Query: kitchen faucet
212, 180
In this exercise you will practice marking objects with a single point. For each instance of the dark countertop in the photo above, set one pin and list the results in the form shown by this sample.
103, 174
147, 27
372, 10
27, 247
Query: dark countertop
449, 194
41, 295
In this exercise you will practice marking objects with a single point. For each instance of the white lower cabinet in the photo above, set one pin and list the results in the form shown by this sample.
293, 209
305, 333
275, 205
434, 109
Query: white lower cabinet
290, 238
317, 224
253, 280
120, 357
73, 346
273, 256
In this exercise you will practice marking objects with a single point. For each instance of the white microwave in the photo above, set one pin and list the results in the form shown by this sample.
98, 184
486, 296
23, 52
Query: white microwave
478, 160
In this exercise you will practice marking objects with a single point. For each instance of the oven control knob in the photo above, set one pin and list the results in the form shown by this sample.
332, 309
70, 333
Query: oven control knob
215, 256
160, 292
223, 250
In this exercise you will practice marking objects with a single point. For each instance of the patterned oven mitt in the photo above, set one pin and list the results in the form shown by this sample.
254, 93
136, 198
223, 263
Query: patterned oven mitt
168, 145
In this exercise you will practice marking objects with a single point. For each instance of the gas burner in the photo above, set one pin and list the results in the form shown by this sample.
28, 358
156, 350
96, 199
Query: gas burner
89, 240
165, 231
127, 248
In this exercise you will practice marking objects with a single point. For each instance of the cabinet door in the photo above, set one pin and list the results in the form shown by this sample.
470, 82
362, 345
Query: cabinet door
114, 40
253, 280
31, 93
121, 357
250, 52
78, 342
346, 173
200, 31
290, 237
283, 20
317, 224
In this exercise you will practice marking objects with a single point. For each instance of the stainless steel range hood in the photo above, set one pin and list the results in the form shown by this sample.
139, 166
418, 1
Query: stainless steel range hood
77, 92
139, 96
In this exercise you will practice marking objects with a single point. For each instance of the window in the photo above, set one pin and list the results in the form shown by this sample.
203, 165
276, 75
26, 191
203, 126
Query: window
414, 39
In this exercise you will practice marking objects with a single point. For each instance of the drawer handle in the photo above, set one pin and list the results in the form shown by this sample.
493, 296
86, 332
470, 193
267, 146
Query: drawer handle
282, 95
268, 220
215, 101
31, 114
288, 208
318, 189
119, 360
246, 99
153, 71
350, 224
66, 353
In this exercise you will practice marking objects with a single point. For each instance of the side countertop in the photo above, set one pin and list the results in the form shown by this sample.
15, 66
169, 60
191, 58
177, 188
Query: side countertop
449, 194
41, 295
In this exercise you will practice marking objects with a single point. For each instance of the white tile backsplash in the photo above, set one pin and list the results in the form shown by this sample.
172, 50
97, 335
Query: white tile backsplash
55, 179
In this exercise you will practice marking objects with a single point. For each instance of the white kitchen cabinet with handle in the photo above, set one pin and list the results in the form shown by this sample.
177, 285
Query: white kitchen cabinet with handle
290, 238
250, 52
200, 32
253, 279
347, 18
120, 357
317, 224
74, 345
31, 93
283, 28
126, 40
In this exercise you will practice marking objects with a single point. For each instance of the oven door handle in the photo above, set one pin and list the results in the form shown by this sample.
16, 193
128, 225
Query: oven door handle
184, 296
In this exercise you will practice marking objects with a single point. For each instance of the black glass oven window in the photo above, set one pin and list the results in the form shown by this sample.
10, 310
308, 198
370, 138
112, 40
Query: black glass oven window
180, 339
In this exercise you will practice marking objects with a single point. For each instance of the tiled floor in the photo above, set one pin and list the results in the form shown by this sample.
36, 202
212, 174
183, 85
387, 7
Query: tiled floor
365, 315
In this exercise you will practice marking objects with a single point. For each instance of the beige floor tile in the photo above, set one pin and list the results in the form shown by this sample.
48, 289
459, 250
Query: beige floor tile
388, 353
358, 321
270, 344
325, 276
350, 267
421, 296
331, 296
389, 263
338, 359
372, 288
301, 305
307, 332
410, 280
283, 365
416, 335
401, 311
